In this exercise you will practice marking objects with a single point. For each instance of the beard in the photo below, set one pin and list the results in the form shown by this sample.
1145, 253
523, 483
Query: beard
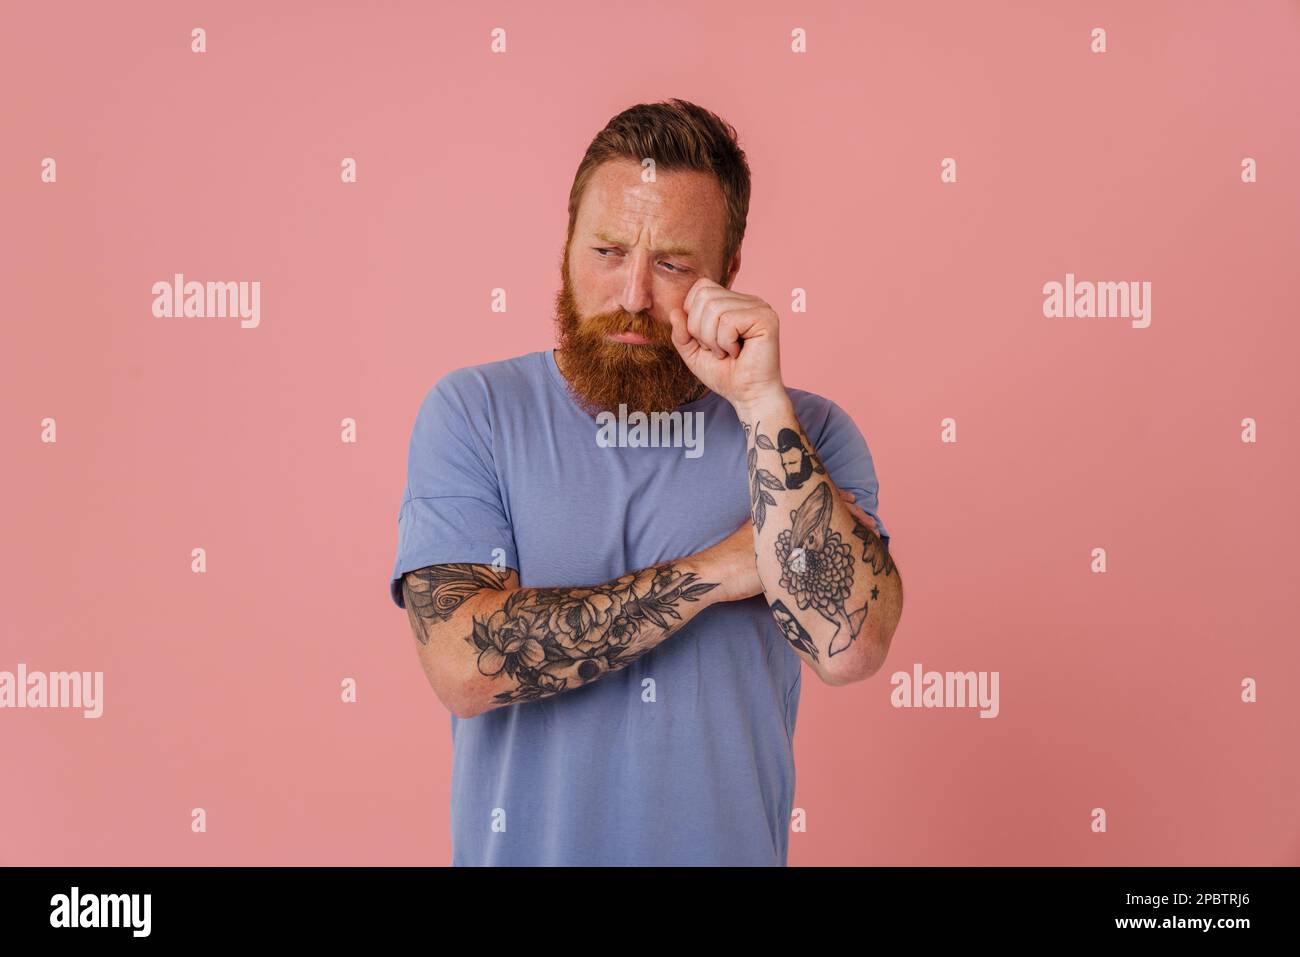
601, 373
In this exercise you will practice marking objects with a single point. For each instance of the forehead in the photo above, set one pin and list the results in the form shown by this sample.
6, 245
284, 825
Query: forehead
681, 206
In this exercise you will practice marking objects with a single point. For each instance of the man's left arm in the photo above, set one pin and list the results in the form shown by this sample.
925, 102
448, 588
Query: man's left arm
827, 575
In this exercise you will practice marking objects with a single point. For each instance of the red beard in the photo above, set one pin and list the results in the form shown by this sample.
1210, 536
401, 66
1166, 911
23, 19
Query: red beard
649, 377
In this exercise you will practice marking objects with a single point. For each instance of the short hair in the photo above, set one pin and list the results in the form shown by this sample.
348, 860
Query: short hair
677, 135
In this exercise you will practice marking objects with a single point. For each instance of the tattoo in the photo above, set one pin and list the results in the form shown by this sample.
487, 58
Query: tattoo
555, 639
874, 550
797, 461
760, 480
437, 591
817, 567
794, 632
816, 563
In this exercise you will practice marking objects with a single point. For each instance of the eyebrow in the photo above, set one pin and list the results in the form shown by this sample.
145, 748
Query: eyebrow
670, 250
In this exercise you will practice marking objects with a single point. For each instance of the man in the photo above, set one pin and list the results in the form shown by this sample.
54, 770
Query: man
615, 555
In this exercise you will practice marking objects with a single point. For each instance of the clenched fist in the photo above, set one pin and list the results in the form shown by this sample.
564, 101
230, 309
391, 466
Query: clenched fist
729, 341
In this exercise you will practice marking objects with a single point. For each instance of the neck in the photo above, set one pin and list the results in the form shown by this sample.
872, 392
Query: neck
699, 393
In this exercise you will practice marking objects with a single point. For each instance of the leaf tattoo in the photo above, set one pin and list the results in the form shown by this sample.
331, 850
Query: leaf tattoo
760, 480
874, 550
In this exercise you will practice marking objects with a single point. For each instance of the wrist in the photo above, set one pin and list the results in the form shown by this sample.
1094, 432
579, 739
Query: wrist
716, 566
706, 569
773, 404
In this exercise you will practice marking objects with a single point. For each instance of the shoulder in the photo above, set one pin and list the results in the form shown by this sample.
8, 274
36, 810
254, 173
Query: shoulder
477, 385
469, 400
816, 413
831, 429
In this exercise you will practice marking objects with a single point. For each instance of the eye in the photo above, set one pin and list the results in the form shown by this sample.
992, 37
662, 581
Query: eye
602, 250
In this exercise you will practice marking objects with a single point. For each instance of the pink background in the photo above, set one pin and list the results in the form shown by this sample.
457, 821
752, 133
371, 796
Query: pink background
925, 301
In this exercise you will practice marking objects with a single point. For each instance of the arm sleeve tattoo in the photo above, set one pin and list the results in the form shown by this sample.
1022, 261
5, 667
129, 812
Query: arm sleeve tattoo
822, 572
537, 642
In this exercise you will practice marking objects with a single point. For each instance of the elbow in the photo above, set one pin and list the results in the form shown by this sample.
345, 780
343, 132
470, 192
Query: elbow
866, 654
461, 702
466, 700
466, 712
459, 693
837, 675
473, 695
871, 650
455, 699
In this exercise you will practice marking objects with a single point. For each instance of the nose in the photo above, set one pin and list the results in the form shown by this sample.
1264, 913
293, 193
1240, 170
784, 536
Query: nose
636, 294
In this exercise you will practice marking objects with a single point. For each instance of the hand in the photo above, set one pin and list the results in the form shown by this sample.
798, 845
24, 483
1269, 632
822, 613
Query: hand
729, 341
858, 513
733, 564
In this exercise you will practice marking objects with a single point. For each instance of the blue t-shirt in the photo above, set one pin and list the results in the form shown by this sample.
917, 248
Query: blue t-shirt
683, 757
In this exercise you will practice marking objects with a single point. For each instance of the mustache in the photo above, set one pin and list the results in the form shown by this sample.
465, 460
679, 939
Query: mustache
660, 333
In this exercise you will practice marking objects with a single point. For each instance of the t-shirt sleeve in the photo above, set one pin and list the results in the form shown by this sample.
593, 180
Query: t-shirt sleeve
452, 507
843, 450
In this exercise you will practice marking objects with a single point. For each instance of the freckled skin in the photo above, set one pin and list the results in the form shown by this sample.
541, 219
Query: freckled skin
637, 249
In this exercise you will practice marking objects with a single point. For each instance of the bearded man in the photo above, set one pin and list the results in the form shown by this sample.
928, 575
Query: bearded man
619, 630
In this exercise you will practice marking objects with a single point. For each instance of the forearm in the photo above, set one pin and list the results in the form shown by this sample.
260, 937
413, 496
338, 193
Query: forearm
524, 644
828, 578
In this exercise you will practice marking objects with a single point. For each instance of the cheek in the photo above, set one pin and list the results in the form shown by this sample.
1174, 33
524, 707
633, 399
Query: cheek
593, 286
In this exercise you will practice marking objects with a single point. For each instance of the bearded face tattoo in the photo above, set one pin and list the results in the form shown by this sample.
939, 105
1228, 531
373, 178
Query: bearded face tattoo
796, 460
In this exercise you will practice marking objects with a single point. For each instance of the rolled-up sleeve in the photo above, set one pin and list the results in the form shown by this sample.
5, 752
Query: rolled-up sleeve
451, 509
844, 451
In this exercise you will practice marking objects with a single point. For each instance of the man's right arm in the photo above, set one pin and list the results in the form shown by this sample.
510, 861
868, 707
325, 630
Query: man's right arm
485, 642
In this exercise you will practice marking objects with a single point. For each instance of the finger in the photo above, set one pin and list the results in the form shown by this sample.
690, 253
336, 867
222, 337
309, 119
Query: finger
712, 305
729, 337
705, 290
858, 512
732, 323
686, 344
708, 306
701, 284
715, 299
709, 331
702, 338
693, 317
